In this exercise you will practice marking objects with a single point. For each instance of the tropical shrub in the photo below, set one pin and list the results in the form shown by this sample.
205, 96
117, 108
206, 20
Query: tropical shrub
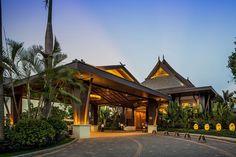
31, 133
186, 116
59, 126
173, 114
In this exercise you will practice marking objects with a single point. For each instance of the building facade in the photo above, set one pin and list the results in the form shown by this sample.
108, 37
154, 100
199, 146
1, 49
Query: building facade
165, 79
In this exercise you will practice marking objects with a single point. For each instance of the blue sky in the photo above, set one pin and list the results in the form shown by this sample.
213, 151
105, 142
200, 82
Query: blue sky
195, 36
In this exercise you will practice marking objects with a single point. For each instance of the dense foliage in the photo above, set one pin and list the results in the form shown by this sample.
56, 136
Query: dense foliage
232, 63
185, 117
31, 133
110, 117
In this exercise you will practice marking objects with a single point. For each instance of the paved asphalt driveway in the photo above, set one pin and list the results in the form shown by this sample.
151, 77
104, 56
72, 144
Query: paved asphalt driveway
145, 145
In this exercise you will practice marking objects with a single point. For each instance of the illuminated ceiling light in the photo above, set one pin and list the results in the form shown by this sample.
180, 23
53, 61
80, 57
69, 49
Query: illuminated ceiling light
95, 97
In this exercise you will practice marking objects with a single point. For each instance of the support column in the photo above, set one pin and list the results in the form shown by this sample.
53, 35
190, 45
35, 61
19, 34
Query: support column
132, 117
151, 109
123, 116
94, 112
131, 126
81, 127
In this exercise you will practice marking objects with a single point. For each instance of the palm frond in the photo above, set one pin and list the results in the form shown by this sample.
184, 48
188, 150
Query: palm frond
71, 96
58, 58
57, 47
14, 48
46, 3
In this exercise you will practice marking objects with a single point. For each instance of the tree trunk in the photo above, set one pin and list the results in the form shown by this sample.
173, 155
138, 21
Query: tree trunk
14, 98
48, 64
1, 82
28, 100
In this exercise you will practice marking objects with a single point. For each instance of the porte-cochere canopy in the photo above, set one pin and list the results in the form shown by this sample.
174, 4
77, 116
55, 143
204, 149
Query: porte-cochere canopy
105, 85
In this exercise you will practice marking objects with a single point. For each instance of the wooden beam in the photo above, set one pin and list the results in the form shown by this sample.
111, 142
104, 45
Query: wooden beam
86, 112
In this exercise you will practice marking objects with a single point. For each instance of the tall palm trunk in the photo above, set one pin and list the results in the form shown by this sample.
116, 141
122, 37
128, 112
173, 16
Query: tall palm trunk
1, 81
28, 95
48, 64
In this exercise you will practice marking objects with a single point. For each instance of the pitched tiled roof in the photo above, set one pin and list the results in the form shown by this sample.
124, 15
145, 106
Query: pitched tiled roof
174, 80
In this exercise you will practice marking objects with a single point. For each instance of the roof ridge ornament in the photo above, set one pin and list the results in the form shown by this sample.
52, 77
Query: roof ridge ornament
75, 61
122, 64
158, 58
163, 57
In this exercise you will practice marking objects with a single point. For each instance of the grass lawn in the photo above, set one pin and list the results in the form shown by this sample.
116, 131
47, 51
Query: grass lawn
67, 140
225, 133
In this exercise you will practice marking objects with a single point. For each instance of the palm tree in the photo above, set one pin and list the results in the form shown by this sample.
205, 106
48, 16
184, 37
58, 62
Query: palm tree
228, 99
34, 60
1, 81
48, 59
30, 63
10, 63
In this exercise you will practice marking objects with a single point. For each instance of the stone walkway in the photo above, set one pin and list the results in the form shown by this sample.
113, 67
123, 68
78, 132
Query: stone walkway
137, 144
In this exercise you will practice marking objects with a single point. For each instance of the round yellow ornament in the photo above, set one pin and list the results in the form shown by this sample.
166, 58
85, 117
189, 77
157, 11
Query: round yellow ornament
207, 127
195, 126
218, 127
231, 127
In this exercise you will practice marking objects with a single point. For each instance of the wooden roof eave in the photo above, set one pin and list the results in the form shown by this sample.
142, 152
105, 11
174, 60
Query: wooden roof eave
191, 91
83, 67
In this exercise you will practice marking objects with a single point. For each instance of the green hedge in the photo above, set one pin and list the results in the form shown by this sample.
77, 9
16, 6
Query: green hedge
31, 133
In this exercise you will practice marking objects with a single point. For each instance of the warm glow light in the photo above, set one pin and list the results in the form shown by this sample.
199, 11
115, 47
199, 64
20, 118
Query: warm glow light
95, 97
185, 104
160, 73
120, 73
162, 110
11, 120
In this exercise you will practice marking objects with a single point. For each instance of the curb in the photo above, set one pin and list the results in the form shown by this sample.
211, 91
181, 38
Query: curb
46, 150
228, 139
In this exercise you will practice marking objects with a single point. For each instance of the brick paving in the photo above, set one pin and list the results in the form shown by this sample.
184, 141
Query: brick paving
137, 144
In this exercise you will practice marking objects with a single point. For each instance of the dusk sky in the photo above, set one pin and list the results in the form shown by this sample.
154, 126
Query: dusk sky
195, 36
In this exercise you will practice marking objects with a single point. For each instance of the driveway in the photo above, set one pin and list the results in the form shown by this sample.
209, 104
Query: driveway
144, 145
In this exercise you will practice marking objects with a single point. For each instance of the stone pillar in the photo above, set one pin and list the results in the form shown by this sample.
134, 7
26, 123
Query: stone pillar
81, 127
151, 110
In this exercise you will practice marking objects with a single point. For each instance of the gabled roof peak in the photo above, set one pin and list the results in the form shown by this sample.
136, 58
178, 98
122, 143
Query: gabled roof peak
167, 68
163, 58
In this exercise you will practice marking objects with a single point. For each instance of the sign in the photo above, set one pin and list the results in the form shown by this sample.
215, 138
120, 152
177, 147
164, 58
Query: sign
231, 127
195, 126
218, 127
207, 127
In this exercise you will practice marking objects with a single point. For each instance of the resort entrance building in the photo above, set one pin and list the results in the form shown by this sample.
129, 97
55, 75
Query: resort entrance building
105, 85
114, 85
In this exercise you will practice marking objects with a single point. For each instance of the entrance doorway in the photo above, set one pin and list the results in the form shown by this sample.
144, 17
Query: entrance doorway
140, 117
